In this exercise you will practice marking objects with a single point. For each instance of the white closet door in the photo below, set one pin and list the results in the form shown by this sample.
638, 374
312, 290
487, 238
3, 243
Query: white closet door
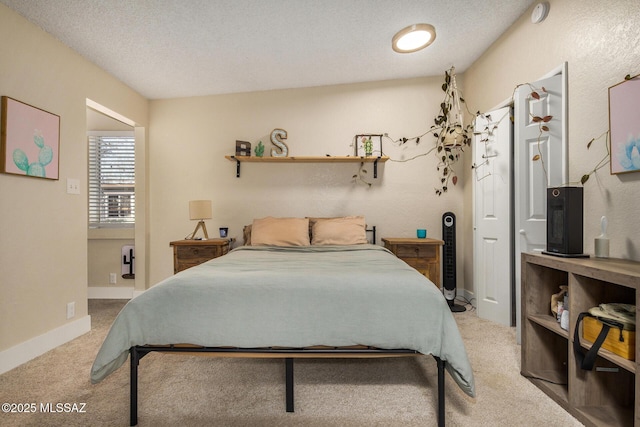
492, 239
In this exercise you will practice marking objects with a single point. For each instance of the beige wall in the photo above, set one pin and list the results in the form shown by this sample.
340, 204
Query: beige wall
190, 137
43, 230
104, 256
600, 41
43, 233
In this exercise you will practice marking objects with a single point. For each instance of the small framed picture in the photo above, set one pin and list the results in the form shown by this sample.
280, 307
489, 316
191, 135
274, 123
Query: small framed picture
368, 145
624, 125
30, 140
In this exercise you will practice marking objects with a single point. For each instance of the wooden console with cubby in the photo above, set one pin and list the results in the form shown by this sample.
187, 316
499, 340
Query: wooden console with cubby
607, 395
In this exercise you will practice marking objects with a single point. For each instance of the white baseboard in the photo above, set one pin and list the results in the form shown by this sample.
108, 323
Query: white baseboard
30, 349
464, 293
469, 296
110, 292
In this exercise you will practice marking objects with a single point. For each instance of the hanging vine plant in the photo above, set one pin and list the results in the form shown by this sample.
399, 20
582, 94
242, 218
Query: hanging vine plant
607, 143
542, 125
450, 131
451, 134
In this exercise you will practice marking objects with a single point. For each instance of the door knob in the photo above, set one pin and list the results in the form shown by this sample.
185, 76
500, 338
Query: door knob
523, 232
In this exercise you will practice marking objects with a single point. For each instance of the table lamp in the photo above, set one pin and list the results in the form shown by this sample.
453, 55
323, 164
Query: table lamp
200, 210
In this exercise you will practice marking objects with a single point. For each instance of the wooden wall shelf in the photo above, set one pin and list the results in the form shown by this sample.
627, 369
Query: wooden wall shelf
308, 159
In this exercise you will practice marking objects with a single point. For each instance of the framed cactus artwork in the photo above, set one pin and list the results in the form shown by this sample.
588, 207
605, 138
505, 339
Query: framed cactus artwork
29, 140
368, 145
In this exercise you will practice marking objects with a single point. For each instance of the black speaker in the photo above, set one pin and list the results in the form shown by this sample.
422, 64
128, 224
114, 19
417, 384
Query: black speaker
564, 221
449, 261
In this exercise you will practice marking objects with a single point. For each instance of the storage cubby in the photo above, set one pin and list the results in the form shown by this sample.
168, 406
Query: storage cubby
606, 395
547, 362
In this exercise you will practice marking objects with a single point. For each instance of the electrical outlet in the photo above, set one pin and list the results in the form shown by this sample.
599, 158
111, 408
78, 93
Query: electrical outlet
73, 186
71, 309
112, 278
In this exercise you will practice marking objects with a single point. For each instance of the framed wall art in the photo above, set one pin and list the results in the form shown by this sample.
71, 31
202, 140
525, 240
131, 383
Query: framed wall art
368, 145
624, 125
29, 140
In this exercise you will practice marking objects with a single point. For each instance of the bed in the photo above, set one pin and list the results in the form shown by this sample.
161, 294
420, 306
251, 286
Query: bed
324, 298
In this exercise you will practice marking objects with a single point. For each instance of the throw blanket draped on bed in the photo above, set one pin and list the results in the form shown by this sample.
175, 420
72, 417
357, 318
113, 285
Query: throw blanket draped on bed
292, 297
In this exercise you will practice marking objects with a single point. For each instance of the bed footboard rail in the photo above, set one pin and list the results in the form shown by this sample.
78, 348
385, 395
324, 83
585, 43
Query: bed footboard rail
138, 352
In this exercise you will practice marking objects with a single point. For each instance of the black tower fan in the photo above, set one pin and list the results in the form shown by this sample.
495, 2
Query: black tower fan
449, 261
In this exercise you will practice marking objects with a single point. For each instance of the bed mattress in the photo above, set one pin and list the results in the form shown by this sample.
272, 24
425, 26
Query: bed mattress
292, 297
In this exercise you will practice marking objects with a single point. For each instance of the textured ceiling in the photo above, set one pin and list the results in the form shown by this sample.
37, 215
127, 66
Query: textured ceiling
178, 48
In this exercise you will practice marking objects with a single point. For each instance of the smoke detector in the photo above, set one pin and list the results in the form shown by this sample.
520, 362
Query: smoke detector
539, 12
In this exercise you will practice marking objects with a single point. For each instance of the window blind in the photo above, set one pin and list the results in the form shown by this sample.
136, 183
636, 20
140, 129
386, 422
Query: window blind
111, 181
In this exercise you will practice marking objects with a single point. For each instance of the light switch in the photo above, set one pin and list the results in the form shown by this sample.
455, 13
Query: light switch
73, 186
71, 309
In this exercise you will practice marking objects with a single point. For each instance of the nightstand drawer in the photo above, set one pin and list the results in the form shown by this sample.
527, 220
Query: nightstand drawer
183, 265
190, 253
416, 251
417, 263
421, 254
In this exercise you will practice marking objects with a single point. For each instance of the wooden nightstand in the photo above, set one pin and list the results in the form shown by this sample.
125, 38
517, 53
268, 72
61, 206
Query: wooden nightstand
189, 253
421, 254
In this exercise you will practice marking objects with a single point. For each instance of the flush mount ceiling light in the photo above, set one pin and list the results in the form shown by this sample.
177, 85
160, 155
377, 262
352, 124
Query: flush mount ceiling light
413, 38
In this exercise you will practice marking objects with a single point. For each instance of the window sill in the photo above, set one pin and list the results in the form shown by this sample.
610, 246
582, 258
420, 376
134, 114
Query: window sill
111, 233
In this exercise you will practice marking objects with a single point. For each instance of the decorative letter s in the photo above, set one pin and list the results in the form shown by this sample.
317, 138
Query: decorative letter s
277, 135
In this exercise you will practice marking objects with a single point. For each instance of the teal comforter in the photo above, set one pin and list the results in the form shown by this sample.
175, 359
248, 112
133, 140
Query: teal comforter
292, 297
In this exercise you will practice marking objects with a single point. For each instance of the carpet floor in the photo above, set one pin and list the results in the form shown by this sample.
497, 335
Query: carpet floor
208, 391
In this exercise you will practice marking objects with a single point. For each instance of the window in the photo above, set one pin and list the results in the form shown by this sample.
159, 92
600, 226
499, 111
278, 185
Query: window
112, 196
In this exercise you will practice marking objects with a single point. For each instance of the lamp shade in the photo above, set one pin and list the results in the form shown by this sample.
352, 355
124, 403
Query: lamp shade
200, 209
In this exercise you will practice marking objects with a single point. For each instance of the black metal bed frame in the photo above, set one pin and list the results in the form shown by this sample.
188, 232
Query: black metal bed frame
138, 352
372, 230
